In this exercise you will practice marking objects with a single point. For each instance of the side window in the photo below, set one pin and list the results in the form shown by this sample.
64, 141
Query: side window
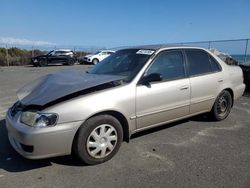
199, 62
169, 64
214, 64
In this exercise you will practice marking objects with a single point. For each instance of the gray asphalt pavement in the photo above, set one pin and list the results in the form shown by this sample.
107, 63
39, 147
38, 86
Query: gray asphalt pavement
190, 153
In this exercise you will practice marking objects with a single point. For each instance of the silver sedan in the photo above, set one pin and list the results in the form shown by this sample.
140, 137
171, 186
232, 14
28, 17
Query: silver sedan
134, 89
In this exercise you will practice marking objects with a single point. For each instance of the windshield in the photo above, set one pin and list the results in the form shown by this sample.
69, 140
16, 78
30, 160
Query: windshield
125, 63
97, 52
50, 52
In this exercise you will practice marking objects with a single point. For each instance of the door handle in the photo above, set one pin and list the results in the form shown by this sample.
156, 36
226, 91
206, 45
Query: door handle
220, 80
184, 87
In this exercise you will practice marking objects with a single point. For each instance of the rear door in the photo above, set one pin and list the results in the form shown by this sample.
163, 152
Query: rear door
62, 57
167, 99
206, 80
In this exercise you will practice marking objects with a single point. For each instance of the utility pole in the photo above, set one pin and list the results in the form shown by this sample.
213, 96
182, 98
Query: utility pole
209, 44
246, 51
32, 52
7, 55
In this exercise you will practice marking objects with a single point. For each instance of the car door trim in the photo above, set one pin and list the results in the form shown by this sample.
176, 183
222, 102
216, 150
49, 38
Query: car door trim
159, 111
202, 100
165, 122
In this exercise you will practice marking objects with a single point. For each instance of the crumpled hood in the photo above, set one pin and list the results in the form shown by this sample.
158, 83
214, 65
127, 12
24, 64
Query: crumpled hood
55, 86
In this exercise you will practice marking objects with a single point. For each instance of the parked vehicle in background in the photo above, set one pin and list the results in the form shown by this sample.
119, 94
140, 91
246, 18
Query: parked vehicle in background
61, 56
132, 90
246, 71
95, 58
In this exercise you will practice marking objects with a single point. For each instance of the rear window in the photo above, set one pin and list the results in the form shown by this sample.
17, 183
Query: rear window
214, 64
199, 62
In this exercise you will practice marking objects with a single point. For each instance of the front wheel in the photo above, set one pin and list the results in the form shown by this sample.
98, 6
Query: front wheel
43, 63
95, 61
222, 106
98, 139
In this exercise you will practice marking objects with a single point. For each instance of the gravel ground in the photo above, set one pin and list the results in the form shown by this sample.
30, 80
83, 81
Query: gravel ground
190, 153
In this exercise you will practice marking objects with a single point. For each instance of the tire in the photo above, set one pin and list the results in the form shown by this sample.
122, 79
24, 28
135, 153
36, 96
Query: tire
43, 63
91, 146
95, 61
70, 62
222, 106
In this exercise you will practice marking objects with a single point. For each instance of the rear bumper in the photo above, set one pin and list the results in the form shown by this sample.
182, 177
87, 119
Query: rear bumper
38, 143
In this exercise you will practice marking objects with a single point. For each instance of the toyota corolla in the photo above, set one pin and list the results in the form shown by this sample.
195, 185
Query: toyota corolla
91, 113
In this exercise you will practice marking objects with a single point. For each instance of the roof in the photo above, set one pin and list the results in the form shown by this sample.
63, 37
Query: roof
66, 50
155, 47
106, 50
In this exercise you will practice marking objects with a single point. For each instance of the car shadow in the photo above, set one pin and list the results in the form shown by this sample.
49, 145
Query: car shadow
11, 161
157, 129
50, 65
197, 118
247, 92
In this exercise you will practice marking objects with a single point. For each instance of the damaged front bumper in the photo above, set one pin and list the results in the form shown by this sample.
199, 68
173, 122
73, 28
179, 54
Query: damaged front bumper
38, 143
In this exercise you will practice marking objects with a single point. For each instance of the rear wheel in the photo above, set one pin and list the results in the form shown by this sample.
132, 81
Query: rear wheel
98, 139
71, 62
222, 106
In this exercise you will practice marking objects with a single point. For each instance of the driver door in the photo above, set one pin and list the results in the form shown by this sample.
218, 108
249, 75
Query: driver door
165, 100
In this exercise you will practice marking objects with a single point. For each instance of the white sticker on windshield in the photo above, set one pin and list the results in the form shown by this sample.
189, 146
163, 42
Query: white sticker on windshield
145, 52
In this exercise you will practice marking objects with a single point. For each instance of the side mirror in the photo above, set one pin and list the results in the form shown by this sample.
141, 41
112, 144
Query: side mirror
154, 77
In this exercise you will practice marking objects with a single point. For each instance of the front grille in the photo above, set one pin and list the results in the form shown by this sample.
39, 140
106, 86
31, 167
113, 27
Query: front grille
17, 107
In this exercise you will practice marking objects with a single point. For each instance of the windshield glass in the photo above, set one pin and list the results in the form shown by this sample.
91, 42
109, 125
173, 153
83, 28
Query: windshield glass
125, 63
97, 52
50, 52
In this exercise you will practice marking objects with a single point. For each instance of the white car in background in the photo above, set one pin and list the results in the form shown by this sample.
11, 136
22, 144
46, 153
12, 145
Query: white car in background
97, 57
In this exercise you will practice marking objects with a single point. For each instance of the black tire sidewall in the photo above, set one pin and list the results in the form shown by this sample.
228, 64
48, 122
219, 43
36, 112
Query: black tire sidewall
215, 113
83, 133
95, 61
43, 63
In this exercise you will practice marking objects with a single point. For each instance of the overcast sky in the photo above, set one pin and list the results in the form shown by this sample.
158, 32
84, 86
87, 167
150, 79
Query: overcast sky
113, 23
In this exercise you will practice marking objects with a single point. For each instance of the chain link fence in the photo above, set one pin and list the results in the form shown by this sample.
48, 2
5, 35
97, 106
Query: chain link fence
239, 49
20, 55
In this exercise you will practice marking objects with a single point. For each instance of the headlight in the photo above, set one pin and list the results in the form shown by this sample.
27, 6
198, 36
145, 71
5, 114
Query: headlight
36, 119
